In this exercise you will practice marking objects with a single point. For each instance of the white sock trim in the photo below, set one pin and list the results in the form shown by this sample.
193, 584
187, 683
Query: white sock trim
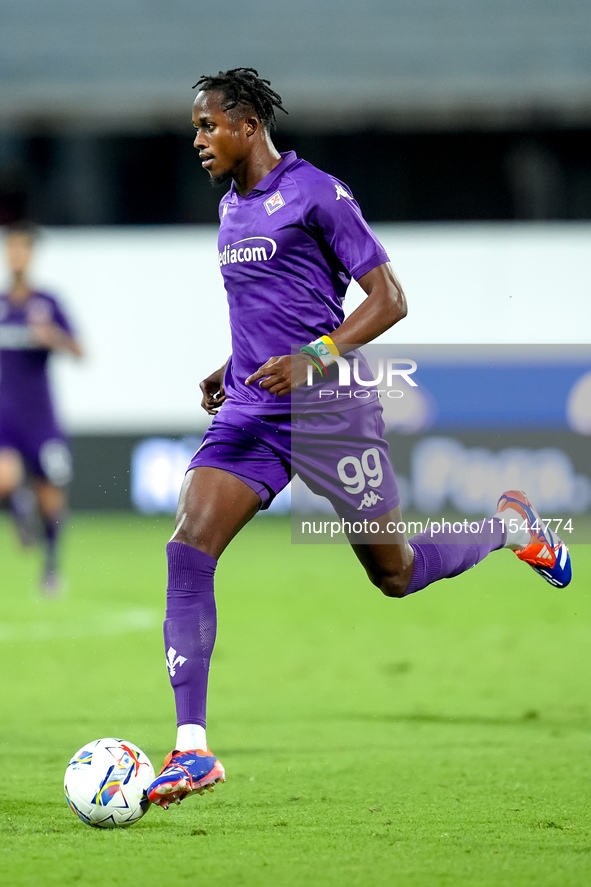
190, 736
517, 534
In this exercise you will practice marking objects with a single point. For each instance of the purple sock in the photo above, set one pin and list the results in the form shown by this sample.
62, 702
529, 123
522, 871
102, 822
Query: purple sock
189, 628
444, 553
52, 527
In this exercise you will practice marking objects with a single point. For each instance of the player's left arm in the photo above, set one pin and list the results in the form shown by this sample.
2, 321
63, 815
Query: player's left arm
384, 305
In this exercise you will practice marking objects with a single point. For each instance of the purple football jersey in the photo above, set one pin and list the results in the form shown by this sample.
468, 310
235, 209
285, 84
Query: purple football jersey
25, 397
287, 253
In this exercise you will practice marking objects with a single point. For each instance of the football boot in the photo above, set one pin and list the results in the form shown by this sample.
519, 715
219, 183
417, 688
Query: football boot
546, 553
183, 773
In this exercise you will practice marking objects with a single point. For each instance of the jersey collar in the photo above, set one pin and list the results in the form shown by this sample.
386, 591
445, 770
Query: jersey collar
288, 159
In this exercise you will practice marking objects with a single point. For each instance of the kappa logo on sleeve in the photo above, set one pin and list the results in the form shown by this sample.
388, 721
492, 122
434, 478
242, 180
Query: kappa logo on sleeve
342, 192
274, 203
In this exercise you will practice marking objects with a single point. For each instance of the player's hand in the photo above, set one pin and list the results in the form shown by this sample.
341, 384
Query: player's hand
46, 335
213, 392
281, 375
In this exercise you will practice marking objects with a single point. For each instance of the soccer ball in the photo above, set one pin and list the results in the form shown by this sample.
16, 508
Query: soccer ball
106, 781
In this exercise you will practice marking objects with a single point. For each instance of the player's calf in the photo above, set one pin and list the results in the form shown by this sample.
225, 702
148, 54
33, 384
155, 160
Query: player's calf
393, 585
391, 578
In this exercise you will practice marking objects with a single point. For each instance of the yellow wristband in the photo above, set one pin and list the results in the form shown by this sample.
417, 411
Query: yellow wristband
329, 344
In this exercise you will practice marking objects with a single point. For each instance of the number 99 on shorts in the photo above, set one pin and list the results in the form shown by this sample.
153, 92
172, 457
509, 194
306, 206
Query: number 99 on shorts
355, 473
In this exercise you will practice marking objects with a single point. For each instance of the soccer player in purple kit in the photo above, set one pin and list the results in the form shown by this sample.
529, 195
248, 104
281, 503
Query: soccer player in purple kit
291, 238
32, 445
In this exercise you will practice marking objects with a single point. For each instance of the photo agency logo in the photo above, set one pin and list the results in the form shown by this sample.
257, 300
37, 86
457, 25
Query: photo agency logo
454, 419
354, 377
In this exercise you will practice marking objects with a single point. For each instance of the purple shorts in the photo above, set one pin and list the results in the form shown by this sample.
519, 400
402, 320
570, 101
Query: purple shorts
342, 456
44, 451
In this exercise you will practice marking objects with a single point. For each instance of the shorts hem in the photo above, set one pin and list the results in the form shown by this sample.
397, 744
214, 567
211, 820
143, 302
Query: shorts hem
370, 514
263, 492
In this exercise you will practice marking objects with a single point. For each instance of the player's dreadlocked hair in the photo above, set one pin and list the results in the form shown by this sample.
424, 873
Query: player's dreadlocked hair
243, 86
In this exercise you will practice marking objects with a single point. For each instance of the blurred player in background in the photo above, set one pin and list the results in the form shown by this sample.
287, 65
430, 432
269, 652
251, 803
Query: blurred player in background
35, 459
291, 238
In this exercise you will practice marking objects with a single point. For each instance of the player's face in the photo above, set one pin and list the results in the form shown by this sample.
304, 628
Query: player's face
221, 139
19, 251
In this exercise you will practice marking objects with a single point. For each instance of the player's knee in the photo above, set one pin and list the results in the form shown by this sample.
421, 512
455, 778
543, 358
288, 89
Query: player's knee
185, 535
11, 474
189, 530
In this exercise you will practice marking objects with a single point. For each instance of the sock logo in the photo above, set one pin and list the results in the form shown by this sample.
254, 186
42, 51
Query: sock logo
172, 661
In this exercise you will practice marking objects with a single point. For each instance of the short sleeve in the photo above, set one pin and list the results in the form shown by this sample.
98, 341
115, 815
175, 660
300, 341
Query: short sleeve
60, 318
334, 212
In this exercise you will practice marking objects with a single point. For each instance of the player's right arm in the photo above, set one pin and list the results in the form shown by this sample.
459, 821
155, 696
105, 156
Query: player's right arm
213, 391
50, 327
54, 338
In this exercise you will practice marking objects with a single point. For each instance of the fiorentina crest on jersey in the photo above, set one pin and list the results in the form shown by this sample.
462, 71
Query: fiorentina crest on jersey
274, 203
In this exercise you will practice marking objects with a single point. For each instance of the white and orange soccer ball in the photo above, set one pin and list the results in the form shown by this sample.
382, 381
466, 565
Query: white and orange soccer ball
106, 781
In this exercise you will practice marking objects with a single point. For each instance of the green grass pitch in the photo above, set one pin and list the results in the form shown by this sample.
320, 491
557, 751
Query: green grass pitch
438, 741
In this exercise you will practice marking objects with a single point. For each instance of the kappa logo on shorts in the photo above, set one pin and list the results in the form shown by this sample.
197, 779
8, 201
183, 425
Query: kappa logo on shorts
274, 203
369, 499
